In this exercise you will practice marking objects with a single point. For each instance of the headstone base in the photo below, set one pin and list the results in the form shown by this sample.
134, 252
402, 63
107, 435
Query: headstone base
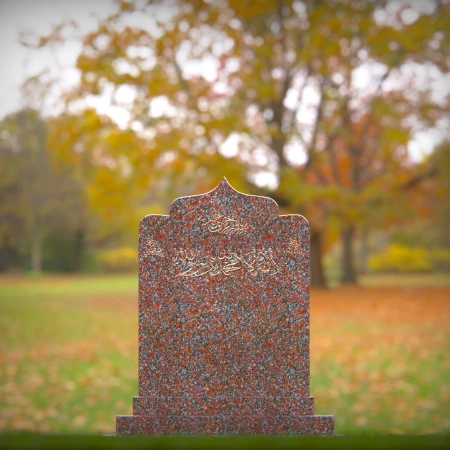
225, 425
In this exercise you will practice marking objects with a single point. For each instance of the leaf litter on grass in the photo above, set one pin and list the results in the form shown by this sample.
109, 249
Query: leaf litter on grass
379, 361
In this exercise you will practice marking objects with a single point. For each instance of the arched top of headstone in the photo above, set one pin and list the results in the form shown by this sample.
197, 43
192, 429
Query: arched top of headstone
225, 201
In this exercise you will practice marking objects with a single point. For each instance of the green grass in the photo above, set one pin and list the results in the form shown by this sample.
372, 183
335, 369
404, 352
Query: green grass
32, 441
68, 355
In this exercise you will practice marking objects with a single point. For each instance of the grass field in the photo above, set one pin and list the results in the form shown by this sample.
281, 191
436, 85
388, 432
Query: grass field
380, 354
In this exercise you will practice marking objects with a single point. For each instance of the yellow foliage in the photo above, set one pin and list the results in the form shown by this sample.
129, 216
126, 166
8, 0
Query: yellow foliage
399, 258
121, 259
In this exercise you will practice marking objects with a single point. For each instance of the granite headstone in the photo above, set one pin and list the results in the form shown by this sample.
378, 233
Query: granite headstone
224, 320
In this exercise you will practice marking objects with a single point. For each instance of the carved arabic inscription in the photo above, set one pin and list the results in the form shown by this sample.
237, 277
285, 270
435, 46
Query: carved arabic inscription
190, 263
153, 248
295, 246
195, 264
226, 225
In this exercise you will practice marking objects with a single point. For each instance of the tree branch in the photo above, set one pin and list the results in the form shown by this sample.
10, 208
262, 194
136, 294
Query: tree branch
293, 115
311, 148
414, 181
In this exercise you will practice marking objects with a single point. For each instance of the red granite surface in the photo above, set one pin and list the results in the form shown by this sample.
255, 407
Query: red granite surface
224, 320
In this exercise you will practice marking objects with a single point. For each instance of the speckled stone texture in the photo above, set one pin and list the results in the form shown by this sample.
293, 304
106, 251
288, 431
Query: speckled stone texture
224, 320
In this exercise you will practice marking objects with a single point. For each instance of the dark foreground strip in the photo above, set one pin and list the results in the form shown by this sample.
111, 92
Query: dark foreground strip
386, 442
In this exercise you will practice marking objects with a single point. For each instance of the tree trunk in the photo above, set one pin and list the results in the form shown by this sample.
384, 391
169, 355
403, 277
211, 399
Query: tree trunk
317, 272
348, 267
36, 249
364, 250
6, 252
78, 250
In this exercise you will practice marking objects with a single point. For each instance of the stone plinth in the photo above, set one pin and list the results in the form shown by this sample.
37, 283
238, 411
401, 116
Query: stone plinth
224, 320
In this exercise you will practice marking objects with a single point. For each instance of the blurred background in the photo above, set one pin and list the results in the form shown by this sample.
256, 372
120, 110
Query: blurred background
338, 110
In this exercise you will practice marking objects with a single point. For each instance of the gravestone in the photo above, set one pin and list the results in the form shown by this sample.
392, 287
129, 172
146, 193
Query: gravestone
224, 320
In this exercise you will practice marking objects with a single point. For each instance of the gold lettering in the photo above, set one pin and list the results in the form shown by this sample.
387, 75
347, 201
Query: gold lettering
196, 264
153, 248
222, 224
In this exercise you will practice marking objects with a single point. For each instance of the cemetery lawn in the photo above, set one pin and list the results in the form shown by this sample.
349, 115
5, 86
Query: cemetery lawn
380, 354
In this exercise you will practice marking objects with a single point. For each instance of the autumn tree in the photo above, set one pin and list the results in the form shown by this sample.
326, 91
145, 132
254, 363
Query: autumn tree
112, 165
431, 201
35, 198
59, 189
300, 85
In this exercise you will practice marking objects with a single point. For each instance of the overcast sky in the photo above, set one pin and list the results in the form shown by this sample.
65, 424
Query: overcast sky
39, 16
